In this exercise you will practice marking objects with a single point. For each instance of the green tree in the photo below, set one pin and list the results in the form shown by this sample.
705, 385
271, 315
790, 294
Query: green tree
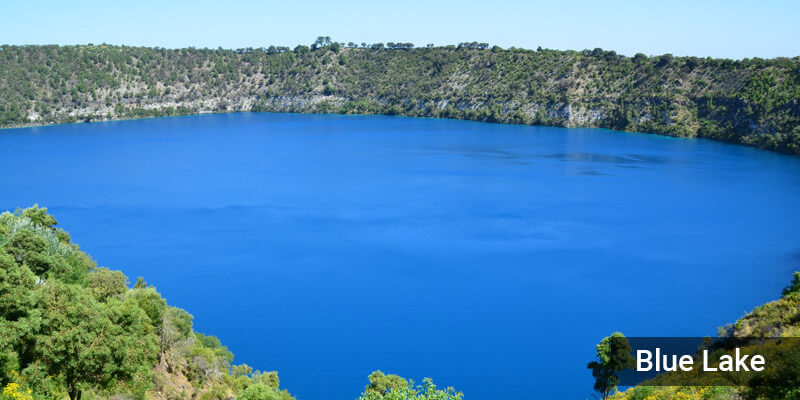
17, 303
28, 235
613, 355
30, 249
39, 216
793, 287
87, 343
381, 383
175, 327
407, 391
264, 386
105, 283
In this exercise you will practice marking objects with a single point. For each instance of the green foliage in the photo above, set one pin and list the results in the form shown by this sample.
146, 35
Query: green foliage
150, 302
751, 102
679, 393
774, 319
262, 388
106, 284
91, 343
45, 250
382, 384
39, 216
794, 287
393, 387
17, 312
176, 327
613, 355
210, 359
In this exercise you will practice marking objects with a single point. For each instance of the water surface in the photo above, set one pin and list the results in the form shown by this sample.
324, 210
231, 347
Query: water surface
489, 257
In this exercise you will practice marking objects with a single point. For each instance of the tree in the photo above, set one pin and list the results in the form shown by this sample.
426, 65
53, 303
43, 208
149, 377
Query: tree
794, 286
29, 237
175, 327
172, 325
399, 389
692, 63
613, 355
259, 391
140, 283
264, 386
39, 216
665, 60
90, 343
17, 300
30, 249
105, 283
381, 383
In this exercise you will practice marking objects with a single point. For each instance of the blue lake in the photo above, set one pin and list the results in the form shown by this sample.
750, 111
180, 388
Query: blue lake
489, 257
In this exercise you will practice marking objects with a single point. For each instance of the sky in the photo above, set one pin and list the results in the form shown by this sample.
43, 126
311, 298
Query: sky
729, 29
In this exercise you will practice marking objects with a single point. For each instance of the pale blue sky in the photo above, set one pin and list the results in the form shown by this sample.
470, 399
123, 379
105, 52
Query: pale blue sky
732, 28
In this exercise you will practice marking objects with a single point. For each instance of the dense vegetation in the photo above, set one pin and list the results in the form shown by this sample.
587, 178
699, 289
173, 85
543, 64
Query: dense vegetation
71, 329
750, 101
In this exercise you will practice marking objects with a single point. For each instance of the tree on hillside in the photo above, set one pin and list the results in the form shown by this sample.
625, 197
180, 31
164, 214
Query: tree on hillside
613, 355
87, 343
264, 386
39, 216
17, 301
105, 284
793, 287
665, 60
393, 387
381, 383
30, 237
30, 249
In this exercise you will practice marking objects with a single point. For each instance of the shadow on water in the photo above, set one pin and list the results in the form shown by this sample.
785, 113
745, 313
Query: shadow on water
476, 152
628, 159
590, 172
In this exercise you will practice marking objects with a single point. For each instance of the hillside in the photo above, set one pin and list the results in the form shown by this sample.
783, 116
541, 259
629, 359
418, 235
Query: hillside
752, 101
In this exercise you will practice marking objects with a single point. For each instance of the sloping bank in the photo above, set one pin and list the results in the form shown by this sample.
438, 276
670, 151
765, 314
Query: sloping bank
752, 101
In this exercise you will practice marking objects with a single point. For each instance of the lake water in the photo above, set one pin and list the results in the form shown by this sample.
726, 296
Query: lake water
489, 257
